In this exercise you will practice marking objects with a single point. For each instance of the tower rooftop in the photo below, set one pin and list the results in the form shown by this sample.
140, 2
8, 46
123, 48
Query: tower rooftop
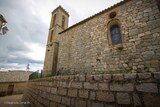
60, 7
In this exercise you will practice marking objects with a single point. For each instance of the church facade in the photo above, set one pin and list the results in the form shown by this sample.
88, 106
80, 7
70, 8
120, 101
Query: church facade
122, 38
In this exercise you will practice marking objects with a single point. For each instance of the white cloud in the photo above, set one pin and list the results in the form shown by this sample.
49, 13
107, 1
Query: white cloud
28, 23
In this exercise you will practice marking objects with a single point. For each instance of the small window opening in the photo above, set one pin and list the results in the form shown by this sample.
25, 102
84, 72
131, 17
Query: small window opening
115, 35
63, 21
51, 36
54, 20
112, 15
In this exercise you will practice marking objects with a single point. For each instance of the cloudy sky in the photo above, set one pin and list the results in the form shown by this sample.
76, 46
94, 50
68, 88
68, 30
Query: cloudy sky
28, 22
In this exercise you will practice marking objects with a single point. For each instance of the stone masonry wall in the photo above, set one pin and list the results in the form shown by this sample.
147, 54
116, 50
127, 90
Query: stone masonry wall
103, 90
85, 49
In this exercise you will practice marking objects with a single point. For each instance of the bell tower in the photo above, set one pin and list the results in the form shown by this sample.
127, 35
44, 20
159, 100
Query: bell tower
59, 22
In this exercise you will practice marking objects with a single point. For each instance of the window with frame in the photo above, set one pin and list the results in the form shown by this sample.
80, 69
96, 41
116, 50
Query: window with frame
115, 34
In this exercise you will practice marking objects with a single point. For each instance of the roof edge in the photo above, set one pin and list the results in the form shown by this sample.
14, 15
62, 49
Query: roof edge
101, 12
60, 7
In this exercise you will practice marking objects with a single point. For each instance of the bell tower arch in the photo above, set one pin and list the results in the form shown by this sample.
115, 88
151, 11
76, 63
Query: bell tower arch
59, 22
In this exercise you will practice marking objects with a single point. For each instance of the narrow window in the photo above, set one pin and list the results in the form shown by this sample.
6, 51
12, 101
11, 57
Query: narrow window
115, 35
63, 21
54, 20
51, 36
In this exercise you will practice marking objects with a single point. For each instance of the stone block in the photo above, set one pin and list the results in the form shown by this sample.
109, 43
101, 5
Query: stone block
144, 75
64, 84
130, 76
83, 93
60, 105
147, 87
103, 86
62, 91
76, 84
92, 95
89, 78
108, 105
56, 98
121, 87
98, 78
105, 96
82, 78
53, 90
136, 100
151, 100
117, 77
106, 77
72, 92
123, 98
52, 104
88, 85
95, 104
157, 75
80, 103
66, 100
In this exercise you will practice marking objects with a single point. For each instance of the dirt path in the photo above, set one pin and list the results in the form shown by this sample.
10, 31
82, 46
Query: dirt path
11, 101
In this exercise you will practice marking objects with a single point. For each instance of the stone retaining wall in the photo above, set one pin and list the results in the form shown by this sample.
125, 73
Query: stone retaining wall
107, 90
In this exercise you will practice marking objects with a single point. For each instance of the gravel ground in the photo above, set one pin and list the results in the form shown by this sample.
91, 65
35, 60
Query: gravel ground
11, 101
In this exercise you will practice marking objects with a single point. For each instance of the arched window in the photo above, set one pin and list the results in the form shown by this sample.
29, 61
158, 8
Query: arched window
51, 36
115, 34
54, 20
63, 21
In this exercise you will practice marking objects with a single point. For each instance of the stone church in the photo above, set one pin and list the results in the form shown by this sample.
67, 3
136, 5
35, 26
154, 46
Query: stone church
122, 38
111, 59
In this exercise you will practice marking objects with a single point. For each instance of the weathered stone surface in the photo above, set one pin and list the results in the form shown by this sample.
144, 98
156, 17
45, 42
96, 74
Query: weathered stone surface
106, 77
147, 87
105, 96
157, 75
52, 104
121, 87
123, 98
130, 76
83, 93
151, 100
88, 85
57, 98
54, 90
103, 86
117, 77
137, 101
66, 100
80, 103
94, 104
62, 91
76, 85
92, 95
144, 75
72, 92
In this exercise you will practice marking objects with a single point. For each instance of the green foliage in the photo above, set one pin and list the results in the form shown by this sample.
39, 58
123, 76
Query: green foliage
120, 47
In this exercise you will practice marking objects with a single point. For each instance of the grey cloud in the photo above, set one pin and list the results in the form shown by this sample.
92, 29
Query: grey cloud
24, 28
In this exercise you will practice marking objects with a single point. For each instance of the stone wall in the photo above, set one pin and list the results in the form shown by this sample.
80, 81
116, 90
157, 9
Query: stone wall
85, 47
18, 87
105, 90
